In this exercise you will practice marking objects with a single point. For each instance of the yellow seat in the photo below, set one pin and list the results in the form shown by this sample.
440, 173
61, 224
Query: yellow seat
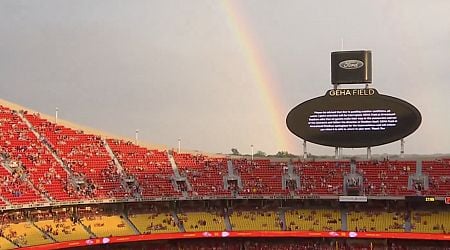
202, 221
25, 234
255, 220
63, 230
154, 223
105, 226
313, 220
6, 244
430, 221
375, 221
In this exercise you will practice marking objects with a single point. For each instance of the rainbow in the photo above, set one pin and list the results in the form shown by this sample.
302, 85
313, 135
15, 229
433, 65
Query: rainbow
267, 86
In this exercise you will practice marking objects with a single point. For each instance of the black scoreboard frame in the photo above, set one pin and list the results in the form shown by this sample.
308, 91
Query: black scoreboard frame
408, 118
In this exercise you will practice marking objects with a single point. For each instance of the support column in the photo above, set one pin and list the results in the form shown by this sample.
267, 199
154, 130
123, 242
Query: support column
369, 153
305, 153
402, 148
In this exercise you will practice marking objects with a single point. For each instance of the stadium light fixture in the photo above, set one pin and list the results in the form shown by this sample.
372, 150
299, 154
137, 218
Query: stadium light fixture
137, 136
56, 114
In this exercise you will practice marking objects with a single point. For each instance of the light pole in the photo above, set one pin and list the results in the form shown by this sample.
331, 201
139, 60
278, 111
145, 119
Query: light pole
179, 145
56, 115
252, 151
137, 136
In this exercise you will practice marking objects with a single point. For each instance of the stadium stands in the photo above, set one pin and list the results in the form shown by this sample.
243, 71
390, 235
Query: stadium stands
154, 223
434, 221
321, 177
313, 220
25, 234
386, 177
153, 218
262, 220
63, 229
6, 244
439, 176
376, 221
260, 176
46, 165
202, 221
16, 190
150, 167
85, 157
104, 223
107, 226
83, 154
205, 175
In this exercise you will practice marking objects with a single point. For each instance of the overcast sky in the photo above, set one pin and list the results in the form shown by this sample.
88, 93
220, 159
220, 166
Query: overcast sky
176, 69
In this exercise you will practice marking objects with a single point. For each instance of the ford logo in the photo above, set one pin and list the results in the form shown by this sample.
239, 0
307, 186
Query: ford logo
351, 64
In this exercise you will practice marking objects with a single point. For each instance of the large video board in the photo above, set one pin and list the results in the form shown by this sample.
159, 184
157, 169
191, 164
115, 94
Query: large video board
353, 118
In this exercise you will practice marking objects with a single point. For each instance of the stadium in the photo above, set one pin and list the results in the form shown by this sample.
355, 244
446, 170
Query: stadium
224, 74
65, 188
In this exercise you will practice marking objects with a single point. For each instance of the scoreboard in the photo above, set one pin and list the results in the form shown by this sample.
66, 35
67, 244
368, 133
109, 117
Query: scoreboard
353, 118
420, 199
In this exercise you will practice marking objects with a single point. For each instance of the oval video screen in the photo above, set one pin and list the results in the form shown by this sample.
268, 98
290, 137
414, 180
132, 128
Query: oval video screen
353, 118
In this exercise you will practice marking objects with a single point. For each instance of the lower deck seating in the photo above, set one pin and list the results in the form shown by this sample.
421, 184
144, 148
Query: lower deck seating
25, 234
6, 244
375, 221
63, 230
255, 220
154, 223
202, 221
313, 220
430, 221
106, 226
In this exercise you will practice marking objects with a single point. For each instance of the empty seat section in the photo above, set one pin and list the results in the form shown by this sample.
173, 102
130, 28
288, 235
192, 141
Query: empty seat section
6, 244
202, 221
106, 226
438, 175
154, 223
437, 221
324, 178
204, 174
260, 176
386, 177
25, 234
255, 220
376, 221
63, 229
313, 220
150, 167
